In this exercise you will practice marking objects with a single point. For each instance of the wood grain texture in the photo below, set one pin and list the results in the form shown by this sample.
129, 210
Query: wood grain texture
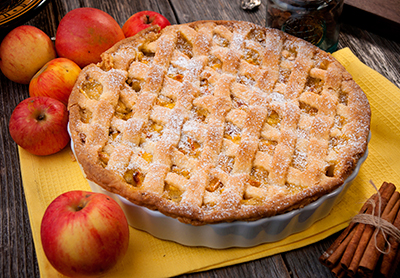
373, 50
17, 252
187, 11
302, 262
381, 17
388, 9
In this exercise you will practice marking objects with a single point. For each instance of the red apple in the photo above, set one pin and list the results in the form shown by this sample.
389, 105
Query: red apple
142, 20
23, 52
55, 79
39, 125
84, 233
85, 33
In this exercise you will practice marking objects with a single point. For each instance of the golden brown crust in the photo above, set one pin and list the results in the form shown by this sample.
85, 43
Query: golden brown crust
217, 121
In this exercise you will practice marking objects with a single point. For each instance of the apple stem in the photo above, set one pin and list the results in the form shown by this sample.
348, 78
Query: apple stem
147, 19
80, 207
41, 117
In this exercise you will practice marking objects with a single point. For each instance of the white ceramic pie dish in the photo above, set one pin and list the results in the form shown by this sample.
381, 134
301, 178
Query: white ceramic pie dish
234, 234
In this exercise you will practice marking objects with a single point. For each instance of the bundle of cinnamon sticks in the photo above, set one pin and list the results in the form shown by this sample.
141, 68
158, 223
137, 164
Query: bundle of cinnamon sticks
369, 246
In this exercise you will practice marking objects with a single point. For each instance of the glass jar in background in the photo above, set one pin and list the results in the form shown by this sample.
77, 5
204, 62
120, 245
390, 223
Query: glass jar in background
316, 21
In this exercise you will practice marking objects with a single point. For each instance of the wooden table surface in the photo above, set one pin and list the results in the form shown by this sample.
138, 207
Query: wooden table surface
17, 252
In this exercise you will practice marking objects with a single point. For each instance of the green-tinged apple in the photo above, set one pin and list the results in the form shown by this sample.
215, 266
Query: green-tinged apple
39, 125
85, 33
142, 20
23, 52
84, 233
55, 79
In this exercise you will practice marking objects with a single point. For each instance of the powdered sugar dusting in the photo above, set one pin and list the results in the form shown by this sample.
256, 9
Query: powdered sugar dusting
218, 107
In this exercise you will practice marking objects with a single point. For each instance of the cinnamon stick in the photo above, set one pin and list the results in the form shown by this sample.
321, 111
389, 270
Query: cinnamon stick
392, 269
338, 271
358, 251
351, 248
372, 253
326, 255
391, 259
337, 254
326, 258
386, 192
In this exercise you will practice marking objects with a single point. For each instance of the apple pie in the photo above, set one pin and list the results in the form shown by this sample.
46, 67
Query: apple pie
218, 121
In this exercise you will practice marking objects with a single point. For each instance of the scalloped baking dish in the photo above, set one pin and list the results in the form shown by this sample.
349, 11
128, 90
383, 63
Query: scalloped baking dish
233, 234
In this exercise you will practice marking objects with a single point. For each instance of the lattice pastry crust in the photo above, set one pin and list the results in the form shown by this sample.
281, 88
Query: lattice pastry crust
216, 121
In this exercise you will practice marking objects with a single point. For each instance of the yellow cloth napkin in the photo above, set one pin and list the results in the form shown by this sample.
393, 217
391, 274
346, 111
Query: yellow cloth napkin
44, 178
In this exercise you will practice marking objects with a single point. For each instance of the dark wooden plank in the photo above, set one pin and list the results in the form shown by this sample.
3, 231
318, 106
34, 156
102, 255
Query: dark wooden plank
119, 10
17, 251
377, 52
381, 17
273, 266
304, 262
188, 11
388, 9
